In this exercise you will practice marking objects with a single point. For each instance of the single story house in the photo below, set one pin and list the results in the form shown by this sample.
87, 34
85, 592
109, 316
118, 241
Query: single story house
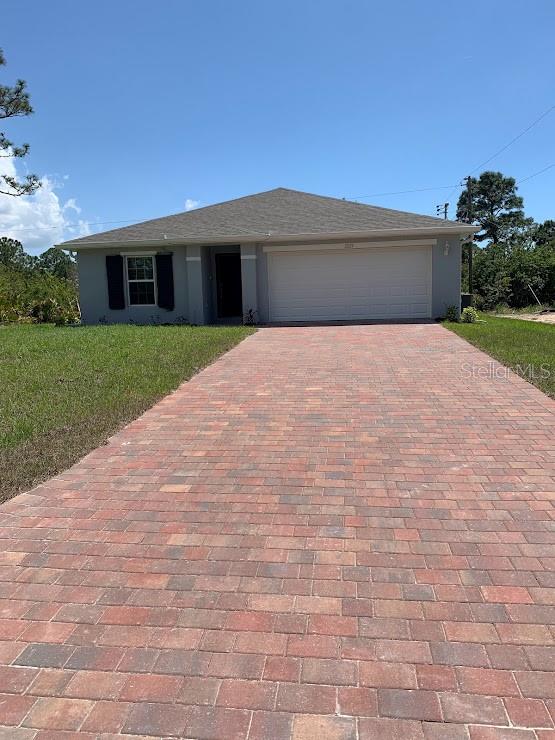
277, 256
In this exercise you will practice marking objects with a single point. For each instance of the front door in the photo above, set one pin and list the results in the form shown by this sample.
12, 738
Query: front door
229, 295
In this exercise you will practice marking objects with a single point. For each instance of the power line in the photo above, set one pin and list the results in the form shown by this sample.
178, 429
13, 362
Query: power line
510, 143
540, 172
482, 164
534, 174
443, 187
400, 192
446, 187
373, 195
134, 220
516, 138
68, 226
524, 179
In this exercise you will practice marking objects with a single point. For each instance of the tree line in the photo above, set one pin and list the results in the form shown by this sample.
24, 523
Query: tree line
37, 289
513, 256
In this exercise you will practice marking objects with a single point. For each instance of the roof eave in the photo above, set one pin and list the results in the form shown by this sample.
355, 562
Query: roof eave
457, 229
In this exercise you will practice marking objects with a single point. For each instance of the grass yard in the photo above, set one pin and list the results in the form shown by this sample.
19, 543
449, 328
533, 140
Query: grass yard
525, 346
63, 391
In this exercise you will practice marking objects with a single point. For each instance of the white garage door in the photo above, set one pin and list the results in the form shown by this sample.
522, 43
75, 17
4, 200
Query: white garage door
352, 283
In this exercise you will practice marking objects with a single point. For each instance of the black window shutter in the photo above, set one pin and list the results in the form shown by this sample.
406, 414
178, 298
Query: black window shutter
164, 277
114, 274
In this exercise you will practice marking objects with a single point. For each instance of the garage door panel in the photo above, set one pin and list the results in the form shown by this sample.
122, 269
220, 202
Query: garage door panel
359, 284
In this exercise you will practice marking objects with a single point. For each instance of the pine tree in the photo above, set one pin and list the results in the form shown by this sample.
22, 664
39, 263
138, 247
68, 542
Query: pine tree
14, 101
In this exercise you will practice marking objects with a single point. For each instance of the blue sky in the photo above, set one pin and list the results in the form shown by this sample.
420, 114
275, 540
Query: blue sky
143, 106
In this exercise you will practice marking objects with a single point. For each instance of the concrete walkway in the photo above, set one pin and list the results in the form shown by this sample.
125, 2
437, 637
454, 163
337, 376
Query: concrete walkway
332, 533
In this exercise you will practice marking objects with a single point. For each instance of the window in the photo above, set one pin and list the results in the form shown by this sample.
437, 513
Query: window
141, 283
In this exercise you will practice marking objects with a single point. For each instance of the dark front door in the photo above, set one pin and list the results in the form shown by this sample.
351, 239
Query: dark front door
228, 286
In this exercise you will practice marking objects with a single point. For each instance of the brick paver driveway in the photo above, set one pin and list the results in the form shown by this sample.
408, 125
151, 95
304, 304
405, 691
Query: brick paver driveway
332, 532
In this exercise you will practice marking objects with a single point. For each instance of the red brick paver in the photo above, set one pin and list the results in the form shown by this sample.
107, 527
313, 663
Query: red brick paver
331, 533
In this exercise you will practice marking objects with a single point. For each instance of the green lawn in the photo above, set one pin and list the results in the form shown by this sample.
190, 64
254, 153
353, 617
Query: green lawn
528, 347
63, 391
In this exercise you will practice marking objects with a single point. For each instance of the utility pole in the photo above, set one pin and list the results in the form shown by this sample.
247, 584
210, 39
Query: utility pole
470, 214
442, 207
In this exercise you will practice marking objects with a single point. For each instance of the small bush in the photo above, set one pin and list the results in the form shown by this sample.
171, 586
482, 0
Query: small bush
469, 315
250, 317
478, 302
451, 314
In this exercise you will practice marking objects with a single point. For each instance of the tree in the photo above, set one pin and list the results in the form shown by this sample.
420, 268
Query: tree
57, 263
14, 101
13, 256
545, 233
491, 279
504, 274
491, 202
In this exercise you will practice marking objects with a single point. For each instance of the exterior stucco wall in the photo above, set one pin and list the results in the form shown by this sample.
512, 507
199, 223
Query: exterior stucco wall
194, 283
207, 282
93, 291
446, 275
262, 282
249, 281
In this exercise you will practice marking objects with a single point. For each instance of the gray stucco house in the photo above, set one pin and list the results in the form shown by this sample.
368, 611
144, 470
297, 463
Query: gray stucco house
277, 256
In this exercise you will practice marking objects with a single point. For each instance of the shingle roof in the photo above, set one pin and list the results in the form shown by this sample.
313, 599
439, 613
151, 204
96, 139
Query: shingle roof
279, 212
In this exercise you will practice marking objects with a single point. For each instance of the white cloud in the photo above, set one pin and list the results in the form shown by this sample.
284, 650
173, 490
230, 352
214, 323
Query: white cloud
42, 219
191, 204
